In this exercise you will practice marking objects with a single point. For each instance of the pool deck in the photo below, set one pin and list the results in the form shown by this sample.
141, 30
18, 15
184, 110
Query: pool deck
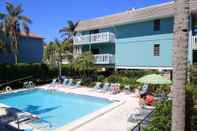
112, 118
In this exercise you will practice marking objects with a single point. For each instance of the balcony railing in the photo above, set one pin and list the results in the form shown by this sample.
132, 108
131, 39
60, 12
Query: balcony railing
105, 37
104, 59
194, 42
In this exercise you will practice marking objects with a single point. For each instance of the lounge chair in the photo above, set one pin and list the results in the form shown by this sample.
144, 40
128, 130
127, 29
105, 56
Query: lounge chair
65, 81
70, 82
106, 87
112, 86
116, 88
78, 84
28, 84
98, 85
31, 84
127, 89
25, 84
13, 118
54, 81
139, 114
53, 84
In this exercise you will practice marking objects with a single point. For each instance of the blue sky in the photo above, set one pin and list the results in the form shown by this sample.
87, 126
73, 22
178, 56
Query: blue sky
48, 16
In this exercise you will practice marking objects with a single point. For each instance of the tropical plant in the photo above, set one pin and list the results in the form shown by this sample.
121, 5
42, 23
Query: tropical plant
193, 74
1, 46
67, 48
84, 63
161, 118
50, 54
59, 52
69, 30
180, 48
12, 23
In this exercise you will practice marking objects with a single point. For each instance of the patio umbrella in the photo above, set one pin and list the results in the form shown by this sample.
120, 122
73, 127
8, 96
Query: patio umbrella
154, 79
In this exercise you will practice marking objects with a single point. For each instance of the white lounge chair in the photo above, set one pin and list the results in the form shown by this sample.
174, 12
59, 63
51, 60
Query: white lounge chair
70, 82
54, 81
65, 81
28, 84
78, 84
106, 87
98, 85
127, 89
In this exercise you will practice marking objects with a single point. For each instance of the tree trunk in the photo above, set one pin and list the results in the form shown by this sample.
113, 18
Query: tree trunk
15, 42
15, 58
180, 48
60, 65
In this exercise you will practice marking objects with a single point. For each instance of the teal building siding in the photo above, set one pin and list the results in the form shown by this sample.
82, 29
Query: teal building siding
30, 51
139, 52
134, 45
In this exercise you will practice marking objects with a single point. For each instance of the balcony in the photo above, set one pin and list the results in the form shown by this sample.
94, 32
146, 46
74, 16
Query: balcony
194, 42
105, 37
104, 59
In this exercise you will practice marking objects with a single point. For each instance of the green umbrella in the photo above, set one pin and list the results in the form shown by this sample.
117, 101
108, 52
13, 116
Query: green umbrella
154, 79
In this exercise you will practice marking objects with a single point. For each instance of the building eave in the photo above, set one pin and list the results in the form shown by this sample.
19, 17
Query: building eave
132, 16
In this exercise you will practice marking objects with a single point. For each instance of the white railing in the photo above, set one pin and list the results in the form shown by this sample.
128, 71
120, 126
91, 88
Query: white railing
94, 38
104, 59
194, 42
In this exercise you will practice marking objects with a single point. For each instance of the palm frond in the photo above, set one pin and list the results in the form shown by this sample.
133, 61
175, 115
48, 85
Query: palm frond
64, 29
18, 10
70, 23
2, 16
9, 7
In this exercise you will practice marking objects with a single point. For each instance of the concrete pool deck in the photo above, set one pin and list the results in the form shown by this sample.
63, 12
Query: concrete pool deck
111, 118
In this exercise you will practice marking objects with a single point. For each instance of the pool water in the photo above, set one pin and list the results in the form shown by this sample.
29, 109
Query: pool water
55, 108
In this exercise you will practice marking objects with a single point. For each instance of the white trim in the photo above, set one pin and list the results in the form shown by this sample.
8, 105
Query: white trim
144, 67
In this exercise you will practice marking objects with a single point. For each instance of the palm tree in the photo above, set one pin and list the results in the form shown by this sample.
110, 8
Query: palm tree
84, 63
12, 24
180, 47
59, 52
69, 30
67, 48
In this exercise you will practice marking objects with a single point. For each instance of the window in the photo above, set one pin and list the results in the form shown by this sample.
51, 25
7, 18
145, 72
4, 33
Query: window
156, 25
195, 56
157, 50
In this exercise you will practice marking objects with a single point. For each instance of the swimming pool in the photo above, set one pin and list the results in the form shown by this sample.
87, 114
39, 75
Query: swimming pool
55, 108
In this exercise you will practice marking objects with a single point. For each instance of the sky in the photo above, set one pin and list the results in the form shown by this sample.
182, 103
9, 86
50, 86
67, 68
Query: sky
48, 16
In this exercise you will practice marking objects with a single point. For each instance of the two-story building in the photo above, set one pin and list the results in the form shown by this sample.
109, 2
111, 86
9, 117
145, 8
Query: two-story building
135, 39
30, 50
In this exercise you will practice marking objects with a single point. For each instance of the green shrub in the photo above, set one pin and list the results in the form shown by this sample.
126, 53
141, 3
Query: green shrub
87, 81
128, 77
161, 118
193, 74
37, 71
191, 111
100, 78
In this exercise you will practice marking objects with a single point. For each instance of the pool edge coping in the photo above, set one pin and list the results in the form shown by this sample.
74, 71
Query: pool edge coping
90, 117
85, 119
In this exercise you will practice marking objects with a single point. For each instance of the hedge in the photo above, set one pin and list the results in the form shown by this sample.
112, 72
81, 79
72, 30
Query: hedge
37, 71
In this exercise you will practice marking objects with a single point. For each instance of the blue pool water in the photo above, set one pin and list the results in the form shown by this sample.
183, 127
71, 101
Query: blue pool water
56, 108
